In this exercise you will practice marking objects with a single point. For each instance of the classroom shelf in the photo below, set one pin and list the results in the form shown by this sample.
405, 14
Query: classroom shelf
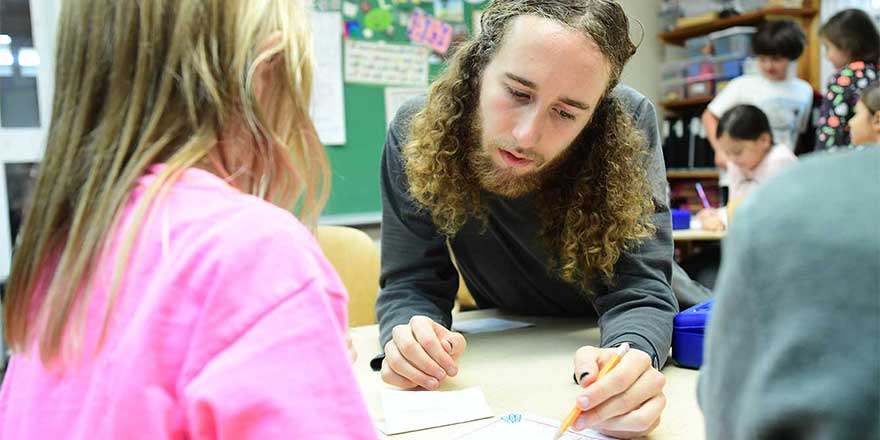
677, 36
692, 173
679, 104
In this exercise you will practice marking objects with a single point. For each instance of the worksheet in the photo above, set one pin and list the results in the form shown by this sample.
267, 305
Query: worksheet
407, 411
516, 426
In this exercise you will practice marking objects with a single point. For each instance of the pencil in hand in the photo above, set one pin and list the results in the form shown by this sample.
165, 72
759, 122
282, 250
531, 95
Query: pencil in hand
703, 197
576, 412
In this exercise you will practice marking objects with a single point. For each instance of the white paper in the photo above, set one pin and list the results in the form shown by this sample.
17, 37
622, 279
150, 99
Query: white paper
349, 9
485, 325
396, 96
515, 426
328, 102
407, 411
450, 10
385, 64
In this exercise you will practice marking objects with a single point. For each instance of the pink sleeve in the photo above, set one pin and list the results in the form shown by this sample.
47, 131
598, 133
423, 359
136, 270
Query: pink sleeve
287, 376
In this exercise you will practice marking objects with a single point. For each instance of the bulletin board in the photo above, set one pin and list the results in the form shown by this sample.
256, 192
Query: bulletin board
355, 194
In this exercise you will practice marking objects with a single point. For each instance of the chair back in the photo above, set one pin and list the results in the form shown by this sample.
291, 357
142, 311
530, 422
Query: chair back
355, 257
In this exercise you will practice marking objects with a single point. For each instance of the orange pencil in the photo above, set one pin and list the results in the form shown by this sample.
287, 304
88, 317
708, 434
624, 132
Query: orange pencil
576, 412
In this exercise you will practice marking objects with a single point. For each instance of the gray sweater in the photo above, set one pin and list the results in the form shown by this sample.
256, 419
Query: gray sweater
505, 265
793, 344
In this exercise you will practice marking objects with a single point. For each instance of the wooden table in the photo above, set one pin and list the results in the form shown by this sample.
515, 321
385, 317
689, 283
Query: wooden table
696, 235
529, 371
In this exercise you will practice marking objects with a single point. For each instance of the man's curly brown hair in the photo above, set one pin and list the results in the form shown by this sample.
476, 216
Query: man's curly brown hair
596, 204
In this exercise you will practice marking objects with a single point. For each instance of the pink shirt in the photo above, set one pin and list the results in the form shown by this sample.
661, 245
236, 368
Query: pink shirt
230, 324
742, 181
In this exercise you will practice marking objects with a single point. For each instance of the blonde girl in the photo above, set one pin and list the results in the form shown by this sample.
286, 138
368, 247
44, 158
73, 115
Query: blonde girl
161, 287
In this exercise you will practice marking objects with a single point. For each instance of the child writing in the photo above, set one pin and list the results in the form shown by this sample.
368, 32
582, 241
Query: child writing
852, 45
864, 126
162, 289
785, 99
745, 137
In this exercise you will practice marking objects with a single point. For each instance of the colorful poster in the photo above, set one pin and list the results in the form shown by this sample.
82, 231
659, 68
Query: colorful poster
428, 31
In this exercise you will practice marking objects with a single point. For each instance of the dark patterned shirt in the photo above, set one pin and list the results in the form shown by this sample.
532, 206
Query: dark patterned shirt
839, 103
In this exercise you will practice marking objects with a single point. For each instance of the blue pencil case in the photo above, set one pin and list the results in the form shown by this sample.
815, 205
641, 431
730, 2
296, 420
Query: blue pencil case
687, 335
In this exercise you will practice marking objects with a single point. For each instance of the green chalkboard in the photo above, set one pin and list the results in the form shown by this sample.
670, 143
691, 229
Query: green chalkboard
355, 196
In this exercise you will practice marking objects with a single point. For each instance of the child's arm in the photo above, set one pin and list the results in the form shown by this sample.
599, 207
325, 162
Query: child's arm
710, 123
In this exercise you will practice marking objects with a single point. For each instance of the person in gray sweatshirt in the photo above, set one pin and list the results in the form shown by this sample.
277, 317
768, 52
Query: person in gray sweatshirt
545, 179
792, 347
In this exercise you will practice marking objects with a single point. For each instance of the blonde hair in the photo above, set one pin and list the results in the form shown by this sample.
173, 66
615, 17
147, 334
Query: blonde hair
139, 83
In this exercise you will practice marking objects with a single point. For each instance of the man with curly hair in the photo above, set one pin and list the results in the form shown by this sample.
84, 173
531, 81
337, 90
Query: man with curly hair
545, 179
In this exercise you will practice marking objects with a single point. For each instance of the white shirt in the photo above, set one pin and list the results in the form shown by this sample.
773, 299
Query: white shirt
786, 103
742, 181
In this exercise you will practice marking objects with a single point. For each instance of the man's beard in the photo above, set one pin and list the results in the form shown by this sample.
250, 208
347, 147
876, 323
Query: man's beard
504, 181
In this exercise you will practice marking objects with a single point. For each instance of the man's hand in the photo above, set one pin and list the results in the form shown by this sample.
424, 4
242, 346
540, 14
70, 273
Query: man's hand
421, 354
626, 402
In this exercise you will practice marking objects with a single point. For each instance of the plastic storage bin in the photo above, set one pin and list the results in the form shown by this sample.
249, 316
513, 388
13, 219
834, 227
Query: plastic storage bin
681, 219
688, 329
672, 90
700, 89
698, 46
751, 5
733, 41
672, 70
700, 69
729, 67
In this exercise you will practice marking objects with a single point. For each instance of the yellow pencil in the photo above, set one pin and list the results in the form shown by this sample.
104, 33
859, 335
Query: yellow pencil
576, 412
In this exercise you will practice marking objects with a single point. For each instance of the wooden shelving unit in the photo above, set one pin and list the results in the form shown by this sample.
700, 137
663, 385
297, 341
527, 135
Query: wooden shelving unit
806, 16
680, 104
677, 36
692, 173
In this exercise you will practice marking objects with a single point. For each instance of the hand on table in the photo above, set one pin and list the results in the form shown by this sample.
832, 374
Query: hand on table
710, 220
421, 354
627, 402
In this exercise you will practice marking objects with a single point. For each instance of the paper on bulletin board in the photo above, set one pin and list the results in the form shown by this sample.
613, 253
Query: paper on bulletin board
430, 32
349, 9
396, 96
476, 21
382, 63
328, 102
451, 10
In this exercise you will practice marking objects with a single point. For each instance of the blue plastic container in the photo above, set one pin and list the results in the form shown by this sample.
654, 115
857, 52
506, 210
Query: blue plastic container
735, 40
687, 335
731, 68
681, 219
698, 46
